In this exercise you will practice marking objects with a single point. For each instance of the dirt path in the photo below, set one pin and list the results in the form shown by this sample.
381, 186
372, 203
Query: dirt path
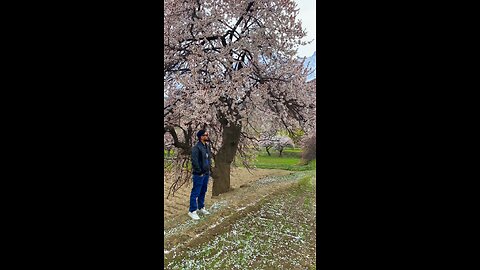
268, 225
176, 208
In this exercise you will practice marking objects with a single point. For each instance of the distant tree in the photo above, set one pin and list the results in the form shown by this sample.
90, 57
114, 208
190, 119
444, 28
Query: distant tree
276, 142
267, 139
296, 136
309, 147
282, 143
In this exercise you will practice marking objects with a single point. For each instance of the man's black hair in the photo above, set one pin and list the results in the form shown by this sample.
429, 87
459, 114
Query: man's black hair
200, 133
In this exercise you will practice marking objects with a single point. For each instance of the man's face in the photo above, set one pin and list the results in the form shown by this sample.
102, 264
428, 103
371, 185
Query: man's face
204, 137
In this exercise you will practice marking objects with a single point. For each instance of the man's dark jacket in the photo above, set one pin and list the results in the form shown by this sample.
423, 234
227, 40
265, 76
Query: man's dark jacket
200, 158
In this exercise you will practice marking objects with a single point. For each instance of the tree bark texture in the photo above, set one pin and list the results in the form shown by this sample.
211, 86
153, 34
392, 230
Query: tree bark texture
224, 158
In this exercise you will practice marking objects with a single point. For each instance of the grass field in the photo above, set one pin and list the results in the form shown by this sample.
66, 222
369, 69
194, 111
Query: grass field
289, 161
279, 233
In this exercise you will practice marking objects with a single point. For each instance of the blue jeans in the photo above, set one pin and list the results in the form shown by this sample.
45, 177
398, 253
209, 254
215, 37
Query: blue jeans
199, 190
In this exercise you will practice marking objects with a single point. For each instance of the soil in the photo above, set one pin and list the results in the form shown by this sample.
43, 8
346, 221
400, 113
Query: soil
176, 207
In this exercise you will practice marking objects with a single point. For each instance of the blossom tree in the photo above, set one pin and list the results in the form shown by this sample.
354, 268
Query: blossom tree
309, 147
276, 142
309, 140
283, 142
267, 139
230, 66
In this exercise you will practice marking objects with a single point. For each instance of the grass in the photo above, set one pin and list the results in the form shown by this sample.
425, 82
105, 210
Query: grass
261, 239
289, 161
305, 185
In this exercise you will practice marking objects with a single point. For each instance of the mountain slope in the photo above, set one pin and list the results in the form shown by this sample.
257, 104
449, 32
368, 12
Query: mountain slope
311, 62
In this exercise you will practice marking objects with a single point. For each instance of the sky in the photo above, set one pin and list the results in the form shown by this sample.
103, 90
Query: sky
308, 17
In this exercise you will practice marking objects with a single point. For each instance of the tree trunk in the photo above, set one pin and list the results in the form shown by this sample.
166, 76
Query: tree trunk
266, 148
224, 158
280, 152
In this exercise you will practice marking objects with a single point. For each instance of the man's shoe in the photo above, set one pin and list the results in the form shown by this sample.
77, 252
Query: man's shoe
204, 211
194, 215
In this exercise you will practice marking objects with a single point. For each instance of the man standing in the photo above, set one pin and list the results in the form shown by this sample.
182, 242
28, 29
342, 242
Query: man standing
201, 162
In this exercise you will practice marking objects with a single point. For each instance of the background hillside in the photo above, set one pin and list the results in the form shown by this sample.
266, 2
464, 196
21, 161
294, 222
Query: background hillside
311, 62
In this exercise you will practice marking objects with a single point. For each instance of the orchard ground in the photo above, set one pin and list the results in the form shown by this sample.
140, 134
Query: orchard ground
267, 221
